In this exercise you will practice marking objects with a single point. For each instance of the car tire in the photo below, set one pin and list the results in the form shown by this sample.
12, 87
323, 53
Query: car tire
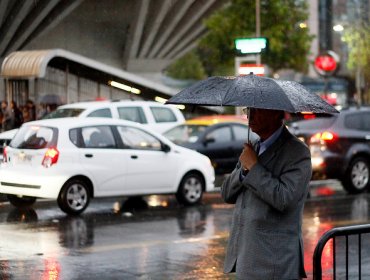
21, 202
191, 189
74, 197
357, 176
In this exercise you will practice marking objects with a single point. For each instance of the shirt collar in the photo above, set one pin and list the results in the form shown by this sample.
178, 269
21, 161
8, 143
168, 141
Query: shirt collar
269, 141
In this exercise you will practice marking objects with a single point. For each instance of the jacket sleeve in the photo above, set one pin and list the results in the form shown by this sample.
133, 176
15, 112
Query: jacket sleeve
232, 186
287, 188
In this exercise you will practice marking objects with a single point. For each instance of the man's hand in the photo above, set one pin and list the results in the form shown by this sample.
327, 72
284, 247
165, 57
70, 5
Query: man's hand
248, 157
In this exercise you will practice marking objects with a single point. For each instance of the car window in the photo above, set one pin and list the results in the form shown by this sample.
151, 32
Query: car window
366, 121
353, 121
222, 134
33, 137
135, 114
240, 132
64, 113
358, 121
101, 113
73, 136
163, 114
95, 137
185, 133
135, 138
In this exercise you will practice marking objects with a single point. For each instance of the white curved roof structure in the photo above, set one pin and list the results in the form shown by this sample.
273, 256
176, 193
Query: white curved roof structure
135, 35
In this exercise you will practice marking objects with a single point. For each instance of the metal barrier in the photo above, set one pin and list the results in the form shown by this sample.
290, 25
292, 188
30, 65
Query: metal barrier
332, 234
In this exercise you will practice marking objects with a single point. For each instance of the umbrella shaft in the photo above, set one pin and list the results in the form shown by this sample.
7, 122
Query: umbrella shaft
248, 116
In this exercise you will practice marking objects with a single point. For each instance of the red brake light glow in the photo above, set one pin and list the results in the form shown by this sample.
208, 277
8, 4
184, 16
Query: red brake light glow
5, 156
50, 157
325, 136
309, 116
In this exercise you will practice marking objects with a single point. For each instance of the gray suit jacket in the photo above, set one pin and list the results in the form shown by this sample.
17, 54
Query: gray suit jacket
265, 240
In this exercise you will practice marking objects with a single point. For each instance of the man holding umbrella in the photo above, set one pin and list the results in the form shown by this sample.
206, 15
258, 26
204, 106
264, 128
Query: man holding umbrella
269, 184
269, 187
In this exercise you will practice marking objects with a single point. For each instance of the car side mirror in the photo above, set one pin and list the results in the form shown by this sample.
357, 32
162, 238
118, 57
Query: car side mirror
166, 148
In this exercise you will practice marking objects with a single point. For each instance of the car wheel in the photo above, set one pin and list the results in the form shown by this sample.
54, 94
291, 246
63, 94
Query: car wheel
74, 197
191, 188
357, 177
21, 201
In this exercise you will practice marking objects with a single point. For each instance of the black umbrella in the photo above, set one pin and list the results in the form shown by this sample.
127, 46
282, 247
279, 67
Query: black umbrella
50, 99
253, 91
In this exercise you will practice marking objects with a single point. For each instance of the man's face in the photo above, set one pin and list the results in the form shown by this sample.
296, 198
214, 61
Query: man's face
263, 121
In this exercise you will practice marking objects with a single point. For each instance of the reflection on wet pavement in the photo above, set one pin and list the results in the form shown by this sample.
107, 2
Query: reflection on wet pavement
322, 215
153, 238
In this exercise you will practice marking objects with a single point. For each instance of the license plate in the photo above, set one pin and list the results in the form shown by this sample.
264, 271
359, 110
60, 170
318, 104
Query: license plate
22, 157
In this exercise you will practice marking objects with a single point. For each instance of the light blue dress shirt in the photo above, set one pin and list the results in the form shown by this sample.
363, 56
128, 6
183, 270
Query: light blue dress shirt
269, 141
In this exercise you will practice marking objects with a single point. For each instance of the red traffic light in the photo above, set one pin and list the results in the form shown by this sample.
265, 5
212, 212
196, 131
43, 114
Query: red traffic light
327, 63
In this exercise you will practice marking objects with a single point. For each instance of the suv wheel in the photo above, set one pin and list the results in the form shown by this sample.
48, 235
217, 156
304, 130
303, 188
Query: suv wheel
357, 176
74, 197
21, 201
191, 188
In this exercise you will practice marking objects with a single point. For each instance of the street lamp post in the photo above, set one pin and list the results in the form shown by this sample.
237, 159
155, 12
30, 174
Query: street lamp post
258, 26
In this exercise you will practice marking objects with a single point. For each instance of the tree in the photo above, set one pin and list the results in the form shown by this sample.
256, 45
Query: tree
280, 23
188, 67
358, 42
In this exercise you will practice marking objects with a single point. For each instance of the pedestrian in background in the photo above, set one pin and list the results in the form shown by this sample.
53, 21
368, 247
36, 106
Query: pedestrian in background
42, 111
31, 110
7, 119
15, 115
269, 187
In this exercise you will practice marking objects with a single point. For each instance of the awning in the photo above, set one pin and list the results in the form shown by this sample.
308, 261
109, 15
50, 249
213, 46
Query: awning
33, 64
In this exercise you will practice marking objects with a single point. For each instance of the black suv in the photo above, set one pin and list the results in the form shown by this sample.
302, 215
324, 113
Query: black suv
340, 147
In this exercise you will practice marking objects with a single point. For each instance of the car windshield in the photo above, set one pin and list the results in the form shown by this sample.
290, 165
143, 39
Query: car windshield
32, 137
185, 133
64, 113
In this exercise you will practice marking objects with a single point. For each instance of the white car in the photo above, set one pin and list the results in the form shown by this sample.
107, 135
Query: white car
154, 115
73, 160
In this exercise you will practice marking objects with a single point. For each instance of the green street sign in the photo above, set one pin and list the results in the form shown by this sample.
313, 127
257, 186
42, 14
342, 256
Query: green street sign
246, 46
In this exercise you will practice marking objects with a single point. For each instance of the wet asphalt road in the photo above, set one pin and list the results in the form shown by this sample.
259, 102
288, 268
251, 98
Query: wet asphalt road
157, 239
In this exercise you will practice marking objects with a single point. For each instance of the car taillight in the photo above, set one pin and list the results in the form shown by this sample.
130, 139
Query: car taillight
5, 155
323, 137
50, 157
308, 115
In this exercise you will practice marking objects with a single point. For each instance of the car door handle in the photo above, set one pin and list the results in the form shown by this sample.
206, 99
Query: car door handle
89, 155
134, 156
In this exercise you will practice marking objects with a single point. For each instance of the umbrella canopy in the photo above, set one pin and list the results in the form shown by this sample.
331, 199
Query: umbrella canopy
50, 99
253, 91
